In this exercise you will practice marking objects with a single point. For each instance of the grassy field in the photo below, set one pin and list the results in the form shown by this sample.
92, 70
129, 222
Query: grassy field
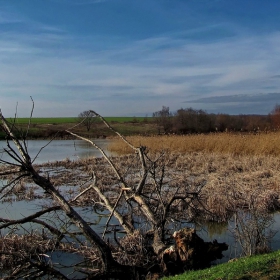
44, 120
261, 267
46, 128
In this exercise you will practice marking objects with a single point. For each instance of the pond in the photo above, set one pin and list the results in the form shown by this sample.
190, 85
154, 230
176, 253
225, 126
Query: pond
62, 149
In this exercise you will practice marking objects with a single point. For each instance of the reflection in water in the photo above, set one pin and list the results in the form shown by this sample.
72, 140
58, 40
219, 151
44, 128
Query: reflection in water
212, 229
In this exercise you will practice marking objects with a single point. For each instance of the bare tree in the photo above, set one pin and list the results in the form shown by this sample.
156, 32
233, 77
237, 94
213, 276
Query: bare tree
163, 119
143, 196
87, 118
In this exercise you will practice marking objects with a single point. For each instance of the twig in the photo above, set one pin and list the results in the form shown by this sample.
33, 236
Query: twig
87, 189
112, 213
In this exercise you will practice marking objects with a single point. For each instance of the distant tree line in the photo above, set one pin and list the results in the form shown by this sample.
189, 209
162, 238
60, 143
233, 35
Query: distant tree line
189, 120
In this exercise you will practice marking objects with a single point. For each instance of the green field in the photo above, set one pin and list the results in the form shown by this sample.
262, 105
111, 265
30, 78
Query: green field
74, 120
47, 128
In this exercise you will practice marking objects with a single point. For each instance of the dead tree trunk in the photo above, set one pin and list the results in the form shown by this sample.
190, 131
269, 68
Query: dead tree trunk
110, 266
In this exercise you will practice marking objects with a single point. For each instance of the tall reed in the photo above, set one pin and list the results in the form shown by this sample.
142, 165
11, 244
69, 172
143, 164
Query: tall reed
229, 143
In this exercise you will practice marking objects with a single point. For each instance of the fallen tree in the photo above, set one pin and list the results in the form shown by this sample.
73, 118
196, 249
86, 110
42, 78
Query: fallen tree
144, 198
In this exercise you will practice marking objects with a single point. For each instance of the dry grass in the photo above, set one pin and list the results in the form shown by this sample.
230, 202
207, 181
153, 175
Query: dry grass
231, 180
241, 170
17, 248
237, 144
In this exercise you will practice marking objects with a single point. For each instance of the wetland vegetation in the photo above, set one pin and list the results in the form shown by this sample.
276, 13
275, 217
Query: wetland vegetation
155, 186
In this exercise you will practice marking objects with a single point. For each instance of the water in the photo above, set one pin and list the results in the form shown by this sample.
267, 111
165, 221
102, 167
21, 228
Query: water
60, 149
53, 151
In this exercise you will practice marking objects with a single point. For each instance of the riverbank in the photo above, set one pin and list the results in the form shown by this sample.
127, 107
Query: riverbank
261, 267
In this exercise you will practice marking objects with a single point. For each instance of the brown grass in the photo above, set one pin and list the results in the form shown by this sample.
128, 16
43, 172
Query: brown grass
230, 143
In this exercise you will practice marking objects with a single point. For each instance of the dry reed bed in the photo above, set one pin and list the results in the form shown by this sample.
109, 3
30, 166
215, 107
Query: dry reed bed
16, 248
241, 170
234, 181
238, 144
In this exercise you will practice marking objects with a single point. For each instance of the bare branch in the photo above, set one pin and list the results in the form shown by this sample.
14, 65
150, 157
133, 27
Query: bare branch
104, 154
127, 227
111, 128
29, 121
112, 213
10, 184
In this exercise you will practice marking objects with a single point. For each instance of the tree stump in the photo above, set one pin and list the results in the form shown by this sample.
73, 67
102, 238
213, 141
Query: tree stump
190, 252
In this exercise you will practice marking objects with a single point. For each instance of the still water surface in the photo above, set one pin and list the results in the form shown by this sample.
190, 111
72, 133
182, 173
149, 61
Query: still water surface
61, 149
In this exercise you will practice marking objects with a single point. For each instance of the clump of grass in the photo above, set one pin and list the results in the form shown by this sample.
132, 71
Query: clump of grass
257, 267
230, 143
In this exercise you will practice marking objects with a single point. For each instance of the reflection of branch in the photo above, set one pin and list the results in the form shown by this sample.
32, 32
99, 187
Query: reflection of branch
9, 222
87, 189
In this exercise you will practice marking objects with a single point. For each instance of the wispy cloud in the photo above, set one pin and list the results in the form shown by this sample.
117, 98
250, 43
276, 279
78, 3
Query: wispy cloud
254, 98
138, 76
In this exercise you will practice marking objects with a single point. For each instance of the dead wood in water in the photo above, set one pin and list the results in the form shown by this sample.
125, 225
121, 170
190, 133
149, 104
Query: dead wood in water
140, 192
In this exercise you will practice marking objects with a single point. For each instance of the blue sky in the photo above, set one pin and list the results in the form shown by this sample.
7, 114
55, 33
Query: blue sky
131, 57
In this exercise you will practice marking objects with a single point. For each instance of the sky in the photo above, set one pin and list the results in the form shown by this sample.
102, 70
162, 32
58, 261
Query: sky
131, 57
